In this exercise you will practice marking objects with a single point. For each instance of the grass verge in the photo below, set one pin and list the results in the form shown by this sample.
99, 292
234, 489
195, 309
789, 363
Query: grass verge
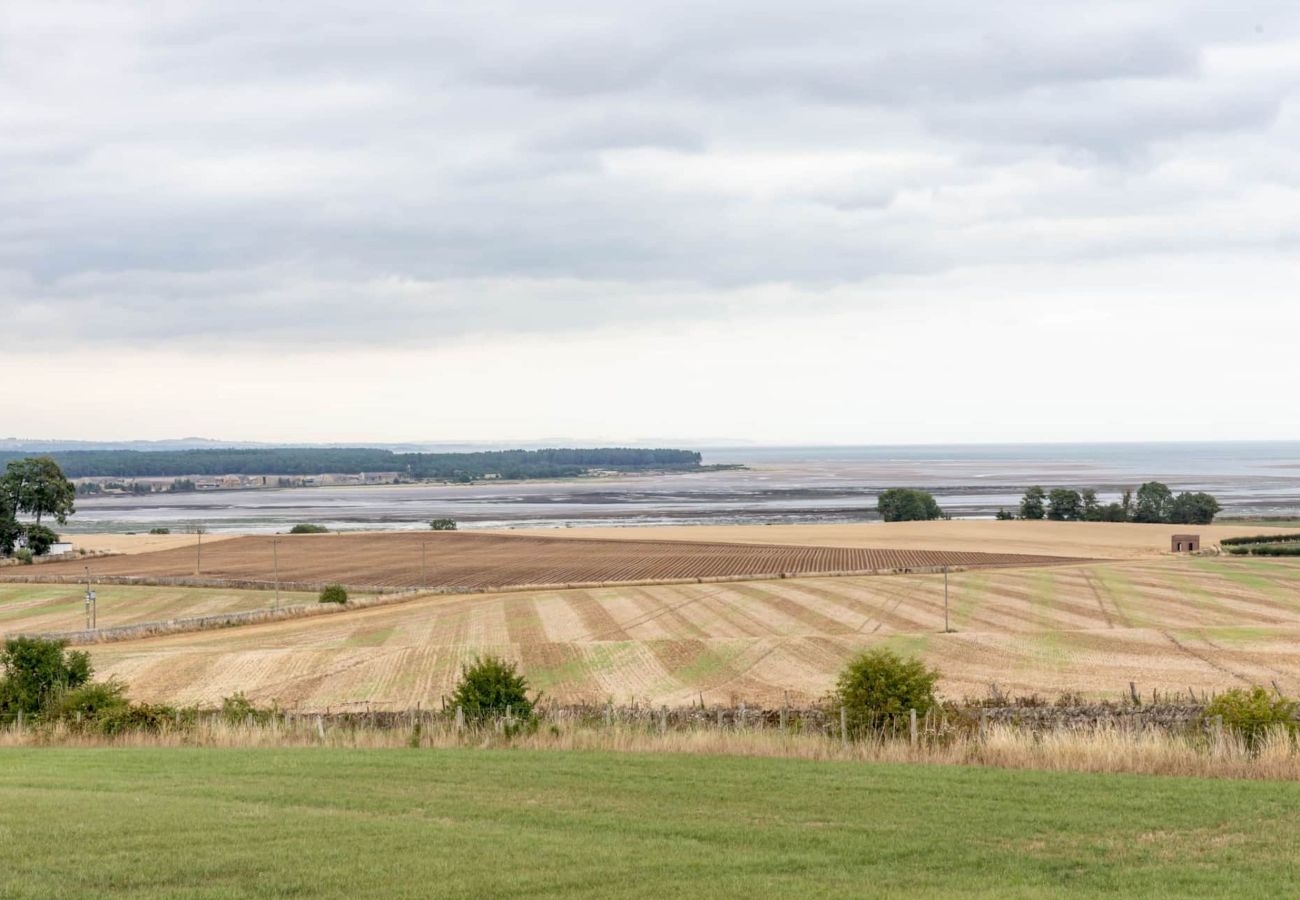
333, 823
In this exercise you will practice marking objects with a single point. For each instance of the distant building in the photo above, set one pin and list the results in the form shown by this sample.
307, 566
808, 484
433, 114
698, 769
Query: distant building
1185, 543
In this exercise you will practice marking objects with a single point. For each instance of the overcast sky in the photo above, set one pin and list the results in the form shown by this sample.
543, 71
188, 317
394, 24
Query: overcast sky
783, 222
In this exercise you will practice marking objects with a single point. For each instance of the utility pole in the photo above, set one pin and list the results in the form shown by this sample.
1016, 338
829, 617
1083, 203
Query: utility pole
275, 559
92, 617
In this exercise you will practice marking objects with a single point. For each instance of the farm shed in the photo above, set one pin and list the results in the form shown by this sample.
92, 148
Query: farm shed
1185, 543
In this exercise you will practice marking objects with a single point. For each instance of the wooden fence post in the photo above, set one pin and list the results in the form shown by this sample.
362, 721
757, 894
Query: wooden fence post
844, 725
320, 728
663, 719
460, 719
911, 728
741, 723
720, 725
984, 724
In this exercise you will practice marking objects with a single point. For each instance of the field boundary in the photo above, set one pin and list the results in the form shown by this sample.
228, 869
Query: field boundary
262, 585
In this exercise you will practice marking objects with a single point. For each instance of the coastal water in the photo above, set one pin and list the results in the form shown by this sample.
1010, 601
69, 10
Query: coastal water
779, 484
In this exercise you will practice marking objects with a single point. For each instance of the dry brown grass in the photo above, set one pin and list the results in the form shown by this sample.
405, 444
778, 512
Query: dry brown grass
139, 543
1102, 749
1095, 540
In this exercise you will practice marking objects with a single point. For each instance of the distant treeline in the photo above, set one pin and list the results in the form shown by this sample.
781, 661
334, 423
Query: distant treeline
555, 463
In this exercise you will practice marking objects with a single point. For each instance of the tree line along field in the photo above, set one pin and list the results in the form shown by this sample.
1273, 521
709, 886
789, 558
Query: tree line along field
469, 561
267, 822
1170, 624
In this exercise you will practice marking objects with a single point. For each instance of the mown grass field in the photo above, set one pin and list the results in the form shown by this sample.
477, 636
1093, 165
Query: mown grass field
1169, 624
61, 607
400, 823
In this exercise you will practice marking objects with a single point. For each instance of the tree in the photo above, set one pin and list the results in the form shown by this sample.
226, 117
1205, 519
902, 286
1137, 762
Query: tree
35, 669
1031, 505
489, 686
1112, 512
443, 524
1126, 504
10, 528
907, 505
39, 539
1193, 509
1064, 505
1091, 506
36, 485
1153, 502
880, 683
1005, 515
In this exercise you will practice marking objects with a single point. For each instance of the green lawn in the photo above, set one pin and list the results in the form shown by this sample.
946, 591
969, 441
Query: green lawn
224, 823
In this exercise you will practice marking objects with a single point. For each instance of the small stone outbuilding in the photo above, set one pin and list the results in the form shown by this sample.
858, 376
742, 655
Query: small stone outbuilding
1185, 543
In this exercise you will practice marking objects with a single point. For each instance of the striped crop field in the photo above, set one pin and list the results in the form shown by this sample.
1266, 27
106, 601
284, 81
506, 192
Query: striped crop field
1168, 624
35, 608
468, 561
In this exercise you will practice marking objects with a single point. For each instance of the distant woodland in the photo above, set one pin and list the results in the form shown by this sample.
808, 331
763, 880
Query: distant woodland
464, 467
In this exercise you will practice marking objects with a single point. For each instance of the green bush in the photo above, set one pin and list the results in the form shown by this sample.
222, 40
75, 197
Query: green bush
160, 531
1290, 549
306, 528
148, 717
879, 683
37, 671
39, 539
1259, 539
334, 593
24, 556
443, 524
490, 685
907, 505
238, 709
1252, 712
93, 700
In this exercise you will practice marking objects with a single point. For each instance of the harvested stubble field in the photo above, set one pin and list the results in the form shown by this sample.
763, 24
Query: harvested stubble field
33, 608
1168, 624
469, 562
1095, 540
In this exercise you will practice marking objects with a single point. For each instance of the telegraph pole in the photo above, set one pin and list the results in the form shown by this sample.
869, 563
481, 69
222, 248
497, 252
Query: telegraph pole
92, 617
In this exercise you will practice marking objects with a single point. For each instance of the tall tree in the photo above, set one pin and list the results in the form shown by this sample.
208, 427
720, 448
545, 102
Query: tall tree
1193, 509
907, 505
36, 486
1031, 505
1153, 502
1064, 505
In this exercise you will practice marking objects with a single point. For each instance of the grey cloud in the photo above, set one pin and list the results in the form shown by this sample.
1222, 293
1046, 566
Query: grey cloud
405, 171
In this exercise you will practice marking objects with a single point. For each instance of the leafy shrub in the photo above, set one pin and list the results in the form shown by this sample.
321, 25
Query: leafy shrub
1289, 549
37, 670
39, 539
149, 717
306, 528
907, 505
238, 709
1259, 539
880, 683
1251, 713
490, 685
160, 531
1005, 515
443, 524
24, 556
334, 593
93, 700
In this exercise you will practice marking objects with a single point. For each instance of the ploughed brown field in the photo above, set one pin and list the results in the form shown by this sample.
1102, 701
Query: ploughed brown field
469, 561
